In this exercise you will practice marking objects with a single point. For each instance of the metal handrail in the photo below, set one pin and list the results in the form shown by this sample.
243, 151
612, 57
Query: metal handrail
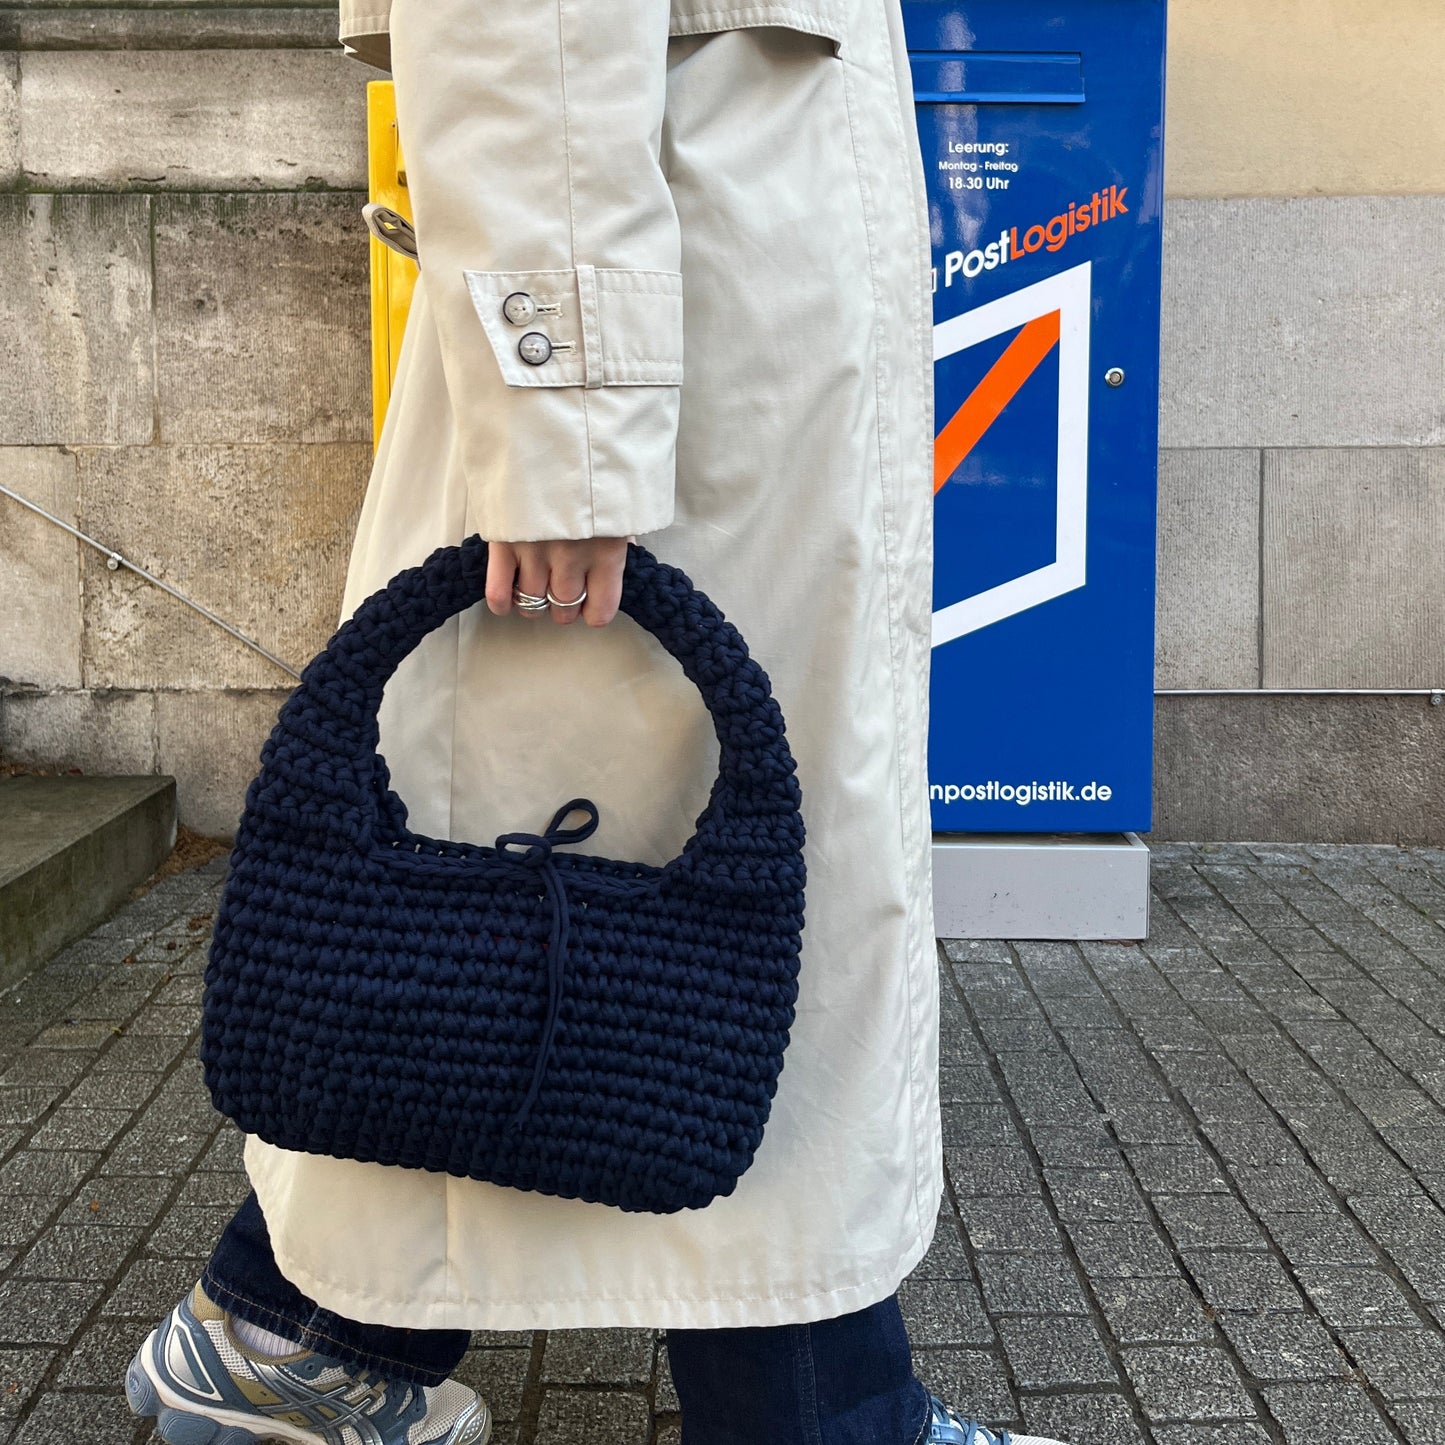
115, 560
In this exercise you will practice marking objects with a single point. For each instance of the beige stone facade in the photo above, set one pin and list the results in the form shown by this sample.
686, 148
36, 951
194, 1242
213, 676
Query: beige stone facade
184, 292
1302, 488
1306, 98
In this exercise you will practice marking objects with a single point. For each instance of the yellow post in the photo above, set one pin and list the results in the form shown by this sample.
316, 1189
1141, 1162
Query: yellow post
393, 276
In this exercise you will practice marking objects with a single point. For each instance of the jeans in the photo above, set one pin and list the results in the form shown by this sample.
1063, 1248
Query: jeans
842, 1381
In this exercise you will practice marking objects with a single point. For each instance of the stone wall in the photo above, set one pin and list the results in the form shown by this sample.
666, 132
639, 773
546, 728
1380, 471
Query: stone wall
1302, 487
184, 293
183, 282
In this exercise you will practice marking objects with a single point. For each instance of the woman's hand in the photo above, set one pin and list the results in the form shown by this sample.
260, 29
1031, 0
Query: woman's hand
564, 569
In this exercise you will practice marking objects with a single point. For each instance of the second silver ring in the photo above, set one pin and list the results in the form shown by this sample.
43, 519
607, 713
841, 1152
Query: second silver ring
577, 601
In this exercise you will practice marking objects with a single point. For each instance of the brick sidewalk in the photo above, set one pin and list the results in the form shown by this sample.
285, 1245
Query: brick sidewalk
1196, 1186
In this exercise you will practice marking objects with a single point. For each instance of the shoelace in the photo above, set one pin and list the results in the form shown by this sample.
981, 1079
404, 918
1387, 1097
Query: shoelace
974, 1432
538, 858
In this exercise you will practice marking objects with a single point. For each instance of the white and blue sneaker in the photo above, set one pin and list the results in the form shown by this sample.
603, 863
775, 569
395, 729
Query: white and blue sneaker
205, 1386
947, 1427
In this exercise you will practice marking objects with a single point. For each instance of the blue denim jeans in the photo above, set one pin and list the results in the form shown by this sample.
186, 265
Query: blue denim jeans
843, 1381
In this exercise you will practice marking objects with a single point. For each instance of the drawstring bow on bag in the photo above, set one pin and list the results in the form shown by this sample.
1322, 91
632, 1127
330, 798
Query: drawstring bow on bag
538, 859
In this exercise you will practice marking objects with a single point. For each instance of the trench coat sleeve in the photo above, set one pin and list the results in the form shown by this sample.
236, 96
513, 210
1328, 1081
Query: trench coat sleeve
530, 137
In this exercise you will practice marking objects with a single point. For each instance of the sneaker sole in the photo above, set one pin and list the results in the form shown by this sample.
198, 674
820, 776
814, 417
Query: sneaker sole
179, 1423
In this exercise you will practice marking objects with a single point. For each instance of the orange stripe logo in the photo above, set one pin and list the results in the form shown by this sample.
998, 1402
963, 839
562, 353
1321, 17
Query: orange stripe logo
986, 402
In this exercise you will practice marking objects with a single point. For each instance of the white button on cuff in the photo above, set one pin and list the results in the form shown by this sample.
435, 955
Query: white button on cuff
519, 308
534, 348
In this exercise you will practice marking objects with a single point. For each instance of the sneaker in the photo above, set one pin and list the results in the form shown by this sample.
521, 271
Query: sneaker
947, 1427
205, 1387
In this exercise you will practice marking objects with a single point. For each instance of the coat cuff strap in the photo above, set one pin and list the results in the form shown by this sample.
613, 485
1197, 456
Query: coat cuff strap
601, 326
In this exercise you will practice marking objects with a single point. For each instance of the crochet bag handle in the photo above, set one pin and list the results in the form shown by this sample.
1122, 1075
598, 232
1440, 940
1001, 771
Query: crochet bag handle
327, 766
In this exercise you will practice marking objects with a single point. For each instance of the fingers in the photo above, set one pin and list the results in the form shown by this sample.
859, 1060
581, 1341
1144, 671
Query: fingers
604, 584
569, 566
533, 570
501, 573
589, 569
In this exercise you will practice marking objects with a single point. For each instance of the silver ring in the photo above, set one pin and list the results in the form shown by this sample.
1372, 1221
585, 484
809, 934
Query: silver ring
577, 601
526, 602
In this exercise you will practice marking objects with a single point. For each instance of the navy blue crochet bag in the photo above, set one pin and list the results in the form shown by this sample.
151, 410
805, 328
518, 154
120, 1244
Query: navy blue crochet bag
523, 1013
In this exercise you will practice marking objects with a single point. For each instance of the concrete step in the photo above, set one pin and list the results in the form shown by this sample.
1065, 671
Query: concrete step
71, 849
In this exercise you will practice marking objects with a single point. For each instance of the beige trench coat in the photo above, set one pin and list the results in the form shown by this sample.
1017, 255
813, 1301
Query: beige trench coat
741, 183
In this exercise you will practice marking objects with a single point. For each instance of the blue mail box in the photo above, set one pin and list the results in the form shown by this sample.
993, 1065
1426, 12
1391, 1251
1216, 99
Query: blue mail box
1041, 124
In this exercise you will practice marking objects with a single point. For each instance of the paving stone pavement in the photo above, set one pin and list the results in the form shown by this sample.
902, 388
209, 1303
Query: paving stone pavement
1196, 1185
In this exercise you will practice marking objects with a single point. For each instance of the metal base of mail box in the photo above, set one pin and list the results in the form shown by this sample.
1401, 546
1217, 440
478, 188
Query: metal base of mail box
1040, 885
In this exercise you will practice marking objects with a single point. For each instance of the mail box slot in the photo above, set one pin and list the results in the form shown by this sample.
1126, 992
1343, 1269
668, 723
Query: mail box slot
1041, 126
961, 77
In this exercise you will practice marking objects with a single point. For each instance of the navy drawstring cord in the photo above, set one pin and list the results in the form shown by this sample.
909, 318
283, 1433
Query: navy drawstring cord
538, 857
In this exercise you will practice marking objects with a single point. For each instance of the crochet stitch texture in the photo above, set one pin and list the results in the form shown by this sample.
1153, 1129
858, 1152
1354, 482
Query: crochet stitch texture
547, 1020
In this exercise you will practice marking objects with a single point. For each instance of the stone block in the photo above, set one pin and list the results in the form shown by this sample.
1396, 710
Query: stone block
51, 1172
976, 1381
205, 520
1208, 1221
82, 1128
22, 1219
46, 1312
1323, 1414
39, 570
598, 1357
1120, 1251
1077, 1148
1242, 1282
9, 121
1284, 1347
1352, 544
218, 120
65, 1417
101, 1355
107, 1202
1356, 1298
218, 1188
80, 1252
1152, 1311
1308, 1239
146, 25
1207, 593
20, 1374
1400, 1364
1261, 105
1187, 1383
1049, 1353
263, 320
1234, 1434
151, 1287
211, 742
71, 848
597, 1417
942, 1312
1176, 1169
1097, 1419
75, 308
1006, 1171
1030, 1284
1331, 334
1340, 769
1106, 1194
1015, 1225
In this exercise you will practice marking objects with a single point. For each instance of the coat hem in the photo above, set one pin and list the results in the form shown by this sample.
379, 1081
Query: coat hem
595, 1311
